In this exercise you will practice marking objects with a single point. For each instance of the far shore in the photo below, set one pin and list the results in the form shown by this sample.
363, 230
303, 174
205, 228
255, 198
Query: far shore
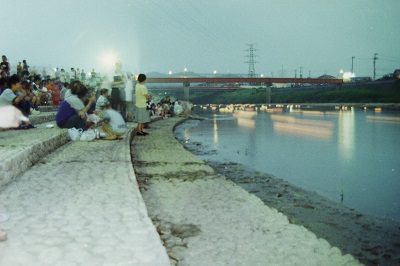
383, 106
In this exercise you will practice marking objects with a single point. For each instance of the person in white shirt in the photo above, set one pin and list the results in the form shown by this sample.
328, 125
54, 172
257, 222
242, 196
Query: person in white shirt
10, 117
113, 123
102, 100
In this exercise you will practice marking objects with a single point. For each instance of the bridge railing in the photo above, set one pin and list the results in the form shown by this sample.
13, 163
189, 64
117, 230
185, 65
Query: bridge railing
188, 80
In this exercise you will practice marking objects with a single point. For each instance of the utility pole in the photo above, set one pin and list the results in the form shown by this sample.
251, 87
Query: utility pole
375, 58
352, 70
251, 62
295, 73
301, 72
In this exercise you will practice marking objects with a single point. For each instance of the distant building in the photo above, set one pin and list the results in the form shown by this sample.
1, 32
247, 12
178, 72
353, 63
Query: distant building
396, 74
360, 79
326, 76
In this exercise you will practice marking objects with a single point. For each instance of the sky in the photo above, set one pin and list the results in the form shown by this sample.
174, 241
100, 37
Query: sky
314, 37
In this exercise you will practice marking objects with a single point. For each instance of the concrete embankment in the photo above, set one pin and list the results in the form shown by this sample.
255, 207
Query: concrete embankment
72, 203
204, 219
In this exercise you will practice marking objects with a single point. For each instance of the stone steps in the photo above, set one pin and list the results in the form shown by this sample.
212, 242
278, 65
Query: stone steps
72, 203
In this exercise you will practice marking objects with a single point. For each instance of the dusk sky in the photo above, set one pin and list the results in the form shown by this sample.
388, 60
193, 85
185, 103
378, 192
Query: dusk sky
316, 36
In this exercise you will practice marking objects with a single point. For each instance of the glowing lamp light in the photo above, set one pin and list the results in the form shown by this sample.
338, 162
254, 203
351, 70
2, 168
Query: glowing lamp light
108, 60
347, 76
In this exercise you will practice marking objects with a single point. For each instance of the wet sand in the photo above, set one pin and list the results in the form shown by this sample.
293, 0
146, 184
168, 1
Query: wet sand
371, 240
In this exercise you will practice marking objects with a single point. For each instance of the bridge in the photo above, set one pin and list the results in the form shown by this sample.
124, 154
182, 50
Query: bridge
235, 81
188, 80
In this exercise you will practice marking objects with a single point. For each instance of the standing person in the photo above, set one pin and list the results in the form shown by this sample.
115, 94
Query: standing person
19, 69
118, 95
72, 75
83, 76
129, 104
63, 76
4, 65
57, 73
142, 114
25, 69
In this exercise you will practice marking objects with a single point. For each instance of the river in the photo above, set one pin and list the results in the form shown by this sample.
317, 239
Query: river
347, 155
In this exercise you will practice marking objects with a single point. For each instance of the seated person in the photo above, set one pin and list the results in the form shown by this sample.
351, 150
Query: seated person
12, 96
55, 95
102, 100
113, 123
3, 84
10, 116
35, 95
30, 97
72, 111
43, 93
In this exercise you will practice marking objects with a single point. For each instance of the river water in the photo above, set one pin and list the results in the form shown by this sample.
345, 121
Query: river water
349, 156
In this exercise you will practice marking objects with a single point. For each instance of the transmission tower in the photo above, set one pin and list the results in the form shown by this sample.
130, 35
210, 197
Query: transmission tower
251, 62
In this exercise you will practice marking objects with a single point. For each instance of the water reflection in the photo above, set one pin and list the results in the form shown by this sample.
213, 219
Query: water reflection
383, 119
215, 130
356, 160
303, 127
346, 135
246, 118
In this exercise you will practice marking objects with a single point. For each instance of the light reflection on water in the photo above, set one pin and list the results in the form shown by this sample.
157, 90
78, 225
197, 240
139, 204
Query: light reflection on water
321, 151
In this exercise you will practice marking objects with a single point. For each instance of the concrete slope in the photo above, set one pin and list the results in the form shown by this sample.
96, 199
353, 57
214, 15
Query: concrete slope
76, 205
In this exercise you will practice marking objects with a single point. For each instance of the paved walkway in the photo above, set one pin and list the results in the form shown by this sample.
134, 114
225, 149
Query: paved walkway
72, 203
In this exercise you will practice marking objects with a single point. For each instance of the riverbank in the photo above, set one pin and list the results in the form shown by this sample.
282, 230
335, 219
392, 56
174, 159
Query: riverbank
371, 92
371, 240
205, 219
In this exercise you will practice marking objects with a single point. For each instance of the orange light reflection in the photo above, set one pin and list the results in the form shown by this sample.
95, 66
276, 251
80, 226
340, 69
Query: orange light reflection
303, 127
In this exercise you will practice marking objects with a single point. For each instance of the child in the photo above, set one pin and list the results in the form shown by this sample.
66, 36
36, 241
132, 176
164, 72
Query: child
114, 124
102, 100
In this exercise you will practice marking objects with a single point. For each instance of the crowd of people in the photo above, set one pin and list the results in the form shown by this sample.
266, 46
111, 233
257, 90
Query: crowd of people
22, 94
80, 103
